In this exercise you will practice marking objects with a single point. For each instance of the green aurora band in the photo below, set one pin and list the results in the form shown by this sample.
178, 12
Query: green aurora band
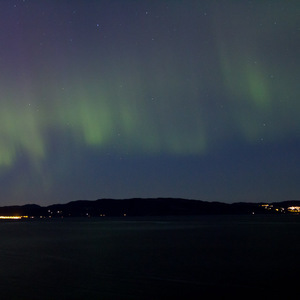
154, 99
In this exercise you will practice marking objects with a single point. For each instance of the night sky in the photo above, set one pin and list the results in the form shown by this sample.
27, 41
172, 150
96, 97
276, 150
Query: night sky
122, 99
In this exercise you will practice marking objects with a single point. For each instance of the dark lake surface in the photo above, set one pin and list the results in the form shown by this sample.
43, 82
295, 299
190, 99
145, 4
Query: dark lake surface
150, 258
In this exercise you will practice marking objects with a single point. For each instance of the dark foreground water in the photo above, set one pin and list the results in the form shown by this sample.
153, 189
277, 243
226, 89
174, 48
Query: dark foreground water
152, 258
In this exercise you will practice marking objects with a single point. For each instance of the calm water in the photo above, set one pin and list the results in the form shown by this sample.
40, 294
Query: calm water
152, 258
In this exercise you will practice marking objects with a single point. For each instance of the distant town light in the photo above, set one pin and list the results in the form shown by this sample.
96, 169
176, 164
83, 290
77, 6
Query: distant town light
294, 209
13, 217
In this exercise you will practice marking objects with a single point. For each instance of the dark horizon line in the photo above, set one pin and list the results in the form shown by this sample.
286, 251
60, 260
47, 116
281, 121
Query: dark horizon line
155, 198
143, 207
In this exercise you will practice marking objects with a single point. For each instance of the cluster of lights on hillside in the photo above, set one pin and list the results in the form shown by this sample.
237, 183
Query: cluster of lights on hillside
290, 209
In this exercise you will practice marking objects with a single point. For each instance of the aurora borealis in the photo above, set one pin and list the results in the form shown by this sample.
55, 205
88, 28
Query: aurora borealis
120, 99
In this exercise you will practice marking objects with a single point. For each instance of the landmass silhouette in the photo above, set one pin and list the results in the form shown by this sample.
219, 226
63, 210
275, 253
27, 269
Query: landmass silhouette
148, 207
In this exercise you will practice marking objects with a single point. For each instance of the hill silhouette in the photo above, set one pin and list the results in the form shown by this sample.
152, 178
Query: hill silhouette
144, 207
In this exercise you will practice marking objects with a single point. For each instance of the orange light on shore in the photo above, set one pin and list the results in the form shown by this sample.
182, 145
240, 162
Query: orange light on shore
294, 209
12, 217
